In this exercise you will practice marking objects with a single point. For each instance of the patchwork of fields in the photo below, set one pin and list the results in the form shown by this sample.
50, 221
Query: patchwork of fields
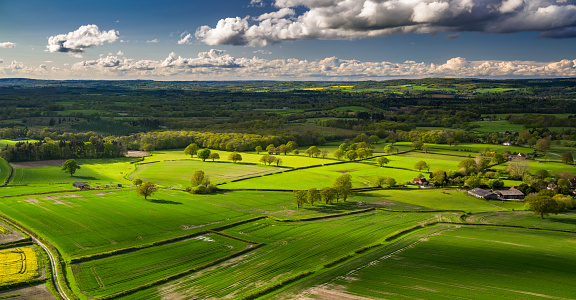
248, 242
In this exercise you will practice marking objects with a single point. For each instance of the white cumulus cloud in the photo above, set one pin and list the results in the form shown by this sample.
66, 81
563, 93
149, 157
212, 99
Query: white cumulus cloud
154, 41
7, 45
84, 37
352, 19
185, 38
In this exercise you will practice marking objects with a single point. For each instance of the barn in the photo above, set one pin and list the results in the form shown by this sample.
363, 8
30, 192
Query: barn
484, 194
80, 185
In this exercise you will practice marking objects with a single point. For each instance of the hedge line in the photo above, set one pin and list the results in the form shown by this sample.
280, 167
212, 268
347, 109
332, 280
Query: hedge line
18, 285
337, 261
276, 286
10, 174
364, 249
18, 243
179, 275
323, 217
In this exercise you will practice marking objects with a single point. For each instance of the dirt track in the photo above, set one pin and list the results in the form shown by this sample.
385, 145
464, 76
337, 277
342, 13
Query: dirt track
42, 163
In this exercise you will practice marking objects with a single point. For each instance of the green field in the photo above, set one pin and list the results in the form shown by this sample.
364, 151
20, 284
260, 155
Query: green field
122, 272
497, 126
4, 170
468, 262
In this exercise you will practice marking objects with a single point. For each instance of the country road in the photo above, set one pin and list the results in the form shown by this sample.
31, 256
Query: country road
52, 257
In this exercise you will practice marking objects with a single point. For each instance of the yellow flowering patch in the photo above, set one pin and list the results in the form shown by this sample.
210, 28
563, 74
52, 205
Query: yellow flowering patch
4, 230
313, 89
18, 265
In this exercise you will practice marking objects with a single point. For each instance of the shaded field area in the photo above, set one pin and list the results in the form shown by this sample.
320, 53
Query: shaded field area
454, 264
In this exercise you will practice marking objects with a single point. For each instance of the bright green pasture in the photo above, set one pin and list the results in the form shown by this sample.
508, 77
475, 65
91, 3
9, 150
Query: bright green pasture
475, 149
363, 175
418, 199
352, 108
409, 159
470, 262
89, 222
3, 143
34, 188
293, 161
495, 90
497, 126
564, 221
553, 167
4, 170
178, 173
122, 272
290, 249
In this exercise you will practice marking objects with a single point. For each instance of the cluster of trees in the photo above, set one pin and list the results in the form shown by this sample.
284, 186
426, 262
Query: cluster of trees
358, 150
46, 150
547, 202
339, 190
201, 184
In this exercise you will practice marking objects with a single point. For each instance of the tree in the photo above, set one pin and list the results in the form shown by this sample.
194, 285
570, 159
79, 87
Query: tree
235, 157
291, 145
381, 161
270, 149
388, 182
426, 148
473, 182
351, 155
295, 151
191, 149
495, 183
300, 197
324, 153
567, 158
498, 158
338, 154
343, 185
343, 147
467, 166
328, 194
313, 151
70, 166
388, 149
203, 154
146, 189
313, 196
542, 145
137, 182
420, 165
518, 168
439, 177
200, 178
268, 159
417, 145
258, 149
214, 156
278, 161
481, 163
542, 205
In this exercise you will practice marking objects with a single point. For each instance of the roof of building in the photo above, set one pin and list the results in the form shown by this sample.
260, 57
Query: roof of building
79, 184
510, 193
480, 192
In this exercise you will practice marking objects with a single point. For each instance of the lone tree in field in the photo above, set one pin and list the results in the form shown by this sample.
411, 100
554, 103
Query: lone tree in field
567, 158
199, 178
542, 205
421, 165
300, 197
235, 157
70, 166
203, 154
146, 189
382, 161
214, 156
258, 149
137, 182
191, 149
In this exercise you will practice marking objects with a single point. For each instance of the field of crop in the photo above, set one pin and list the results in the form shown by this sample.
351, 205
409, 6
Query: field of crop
178, 173
290, 248
482, 263
566, 221
409, 159
425, 199
18, 265
497, 126
553, 167
363, 175
4, 170
475, 149
123, 272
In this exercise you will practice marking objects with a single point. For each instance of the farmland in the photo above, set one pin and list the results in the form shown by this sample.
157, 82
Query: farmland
293, 228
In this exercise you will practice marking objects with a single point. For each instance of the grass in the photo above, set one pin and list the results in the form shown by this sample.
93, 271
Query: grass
19, 265
352, 109
290, 249
553, 167
496, 126
426, 199
564, 221
178, 173
485, 262
408, 160
363, 175
4, 170
123, 272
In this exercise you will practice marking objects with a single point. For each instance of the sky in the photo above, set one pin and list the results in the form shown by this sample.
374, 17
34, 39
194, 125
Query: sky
320, 40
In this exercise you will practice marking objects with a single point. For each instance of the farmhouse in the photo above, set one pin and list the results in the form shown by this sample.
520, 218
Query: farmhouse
484, 194
80, 185
421, 181
512, 194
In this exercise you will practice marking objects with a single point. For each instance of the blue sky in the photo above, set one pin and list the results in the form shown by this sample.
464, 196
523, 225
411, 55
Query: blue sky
287, 39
